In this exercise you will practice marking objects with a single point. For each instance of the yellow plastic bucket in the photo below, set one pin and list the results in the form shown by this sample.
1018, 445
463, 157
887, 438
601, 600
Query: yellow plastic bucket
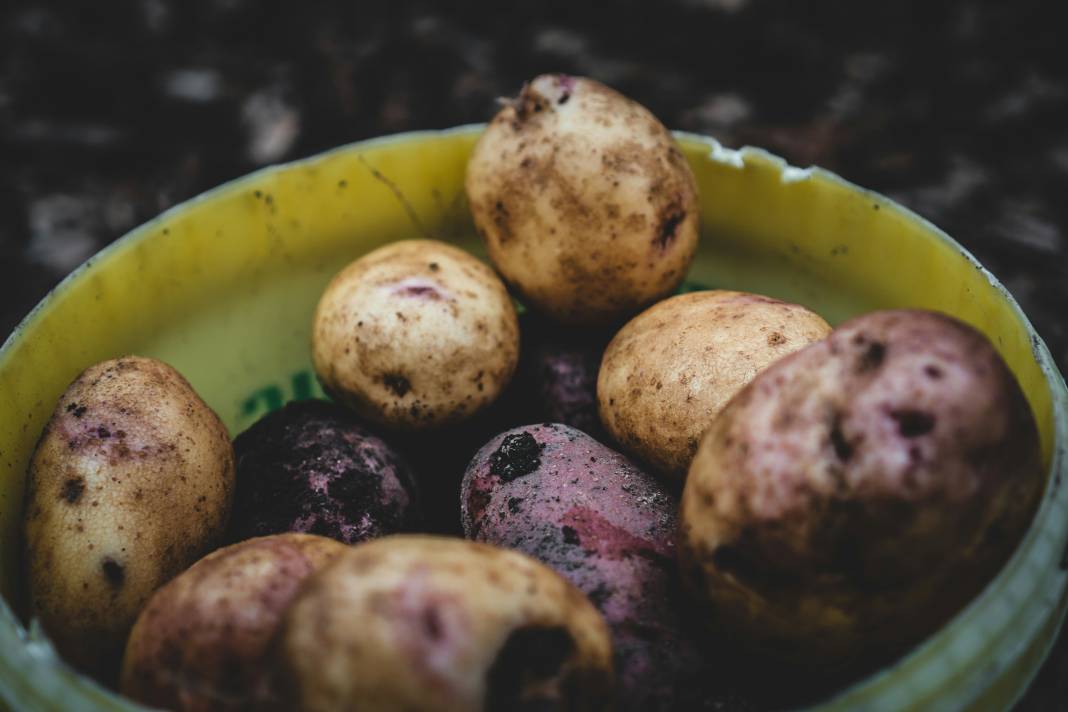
223, 287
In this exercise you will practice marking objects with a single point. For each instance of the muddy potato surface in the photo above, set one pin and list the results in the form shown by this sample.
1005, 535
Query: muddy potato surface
130, 483
667, 373
415, 335
434, 623
584, 201
313, 467
858, 493
201, 643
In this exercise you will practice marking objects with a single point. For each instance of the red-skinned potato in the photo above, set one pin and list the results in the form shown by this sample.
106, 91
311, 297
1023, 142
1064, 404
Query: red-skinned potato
201, 643
859, 492
556, 494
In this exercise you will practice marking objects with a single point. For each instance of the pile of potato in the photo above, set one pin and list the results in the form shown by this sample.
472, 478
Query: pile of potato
802, 502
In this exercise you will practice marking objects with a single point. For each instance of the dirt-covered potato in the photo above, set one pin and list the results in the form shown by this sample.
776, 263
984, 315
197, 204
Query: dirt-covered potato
433, 623
558, 495
312, 467
202, 641
414, 335
667, 373
586, 204
859, 492
130, 483
558, 374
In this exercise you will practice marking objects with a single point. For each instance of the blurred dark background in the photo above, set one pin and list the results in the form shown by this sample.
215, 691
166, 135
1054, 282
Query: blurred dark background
112, 112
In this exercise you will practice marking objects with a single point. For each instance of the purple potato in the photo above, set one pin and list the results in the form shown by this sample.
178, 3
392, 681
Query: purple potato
558, 370
554, 493
313, 467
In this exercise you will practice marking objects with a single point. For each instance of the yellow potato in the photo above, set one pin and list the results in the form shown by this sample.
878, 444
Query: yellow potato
130, 483
667, 373
585, 202
431, 623
201, 643
416, 334
858, 493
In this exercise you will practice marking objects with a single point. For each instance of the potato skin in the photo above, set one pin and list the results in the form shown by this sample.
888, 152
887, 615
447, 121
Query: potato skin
435, 623
313, 467
667, 373
202, 641
859, 492
414, 335
554, 493
558, 374
130, 483
584, 201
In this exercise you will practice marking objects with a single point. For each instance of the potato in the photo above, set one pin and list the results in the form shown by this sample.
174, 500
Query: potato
311, 467
672, 368
432, 623
415, 335
556, 494
859, 492
130, 483
558, 374
585, 203
202, 641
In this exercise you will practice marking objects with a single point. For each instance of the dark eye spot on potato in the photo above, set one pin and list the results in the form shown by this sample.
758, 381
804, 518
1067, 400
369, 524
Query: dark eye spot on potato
518, 455
103, 432
668, 226
531, 657
432, 626
842, 448
913, 423
872, 357
776, 339
113, 572
397, 384
932, 371
72, 490
434, 267
570, 536
76, 410
513, 504
502, 219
